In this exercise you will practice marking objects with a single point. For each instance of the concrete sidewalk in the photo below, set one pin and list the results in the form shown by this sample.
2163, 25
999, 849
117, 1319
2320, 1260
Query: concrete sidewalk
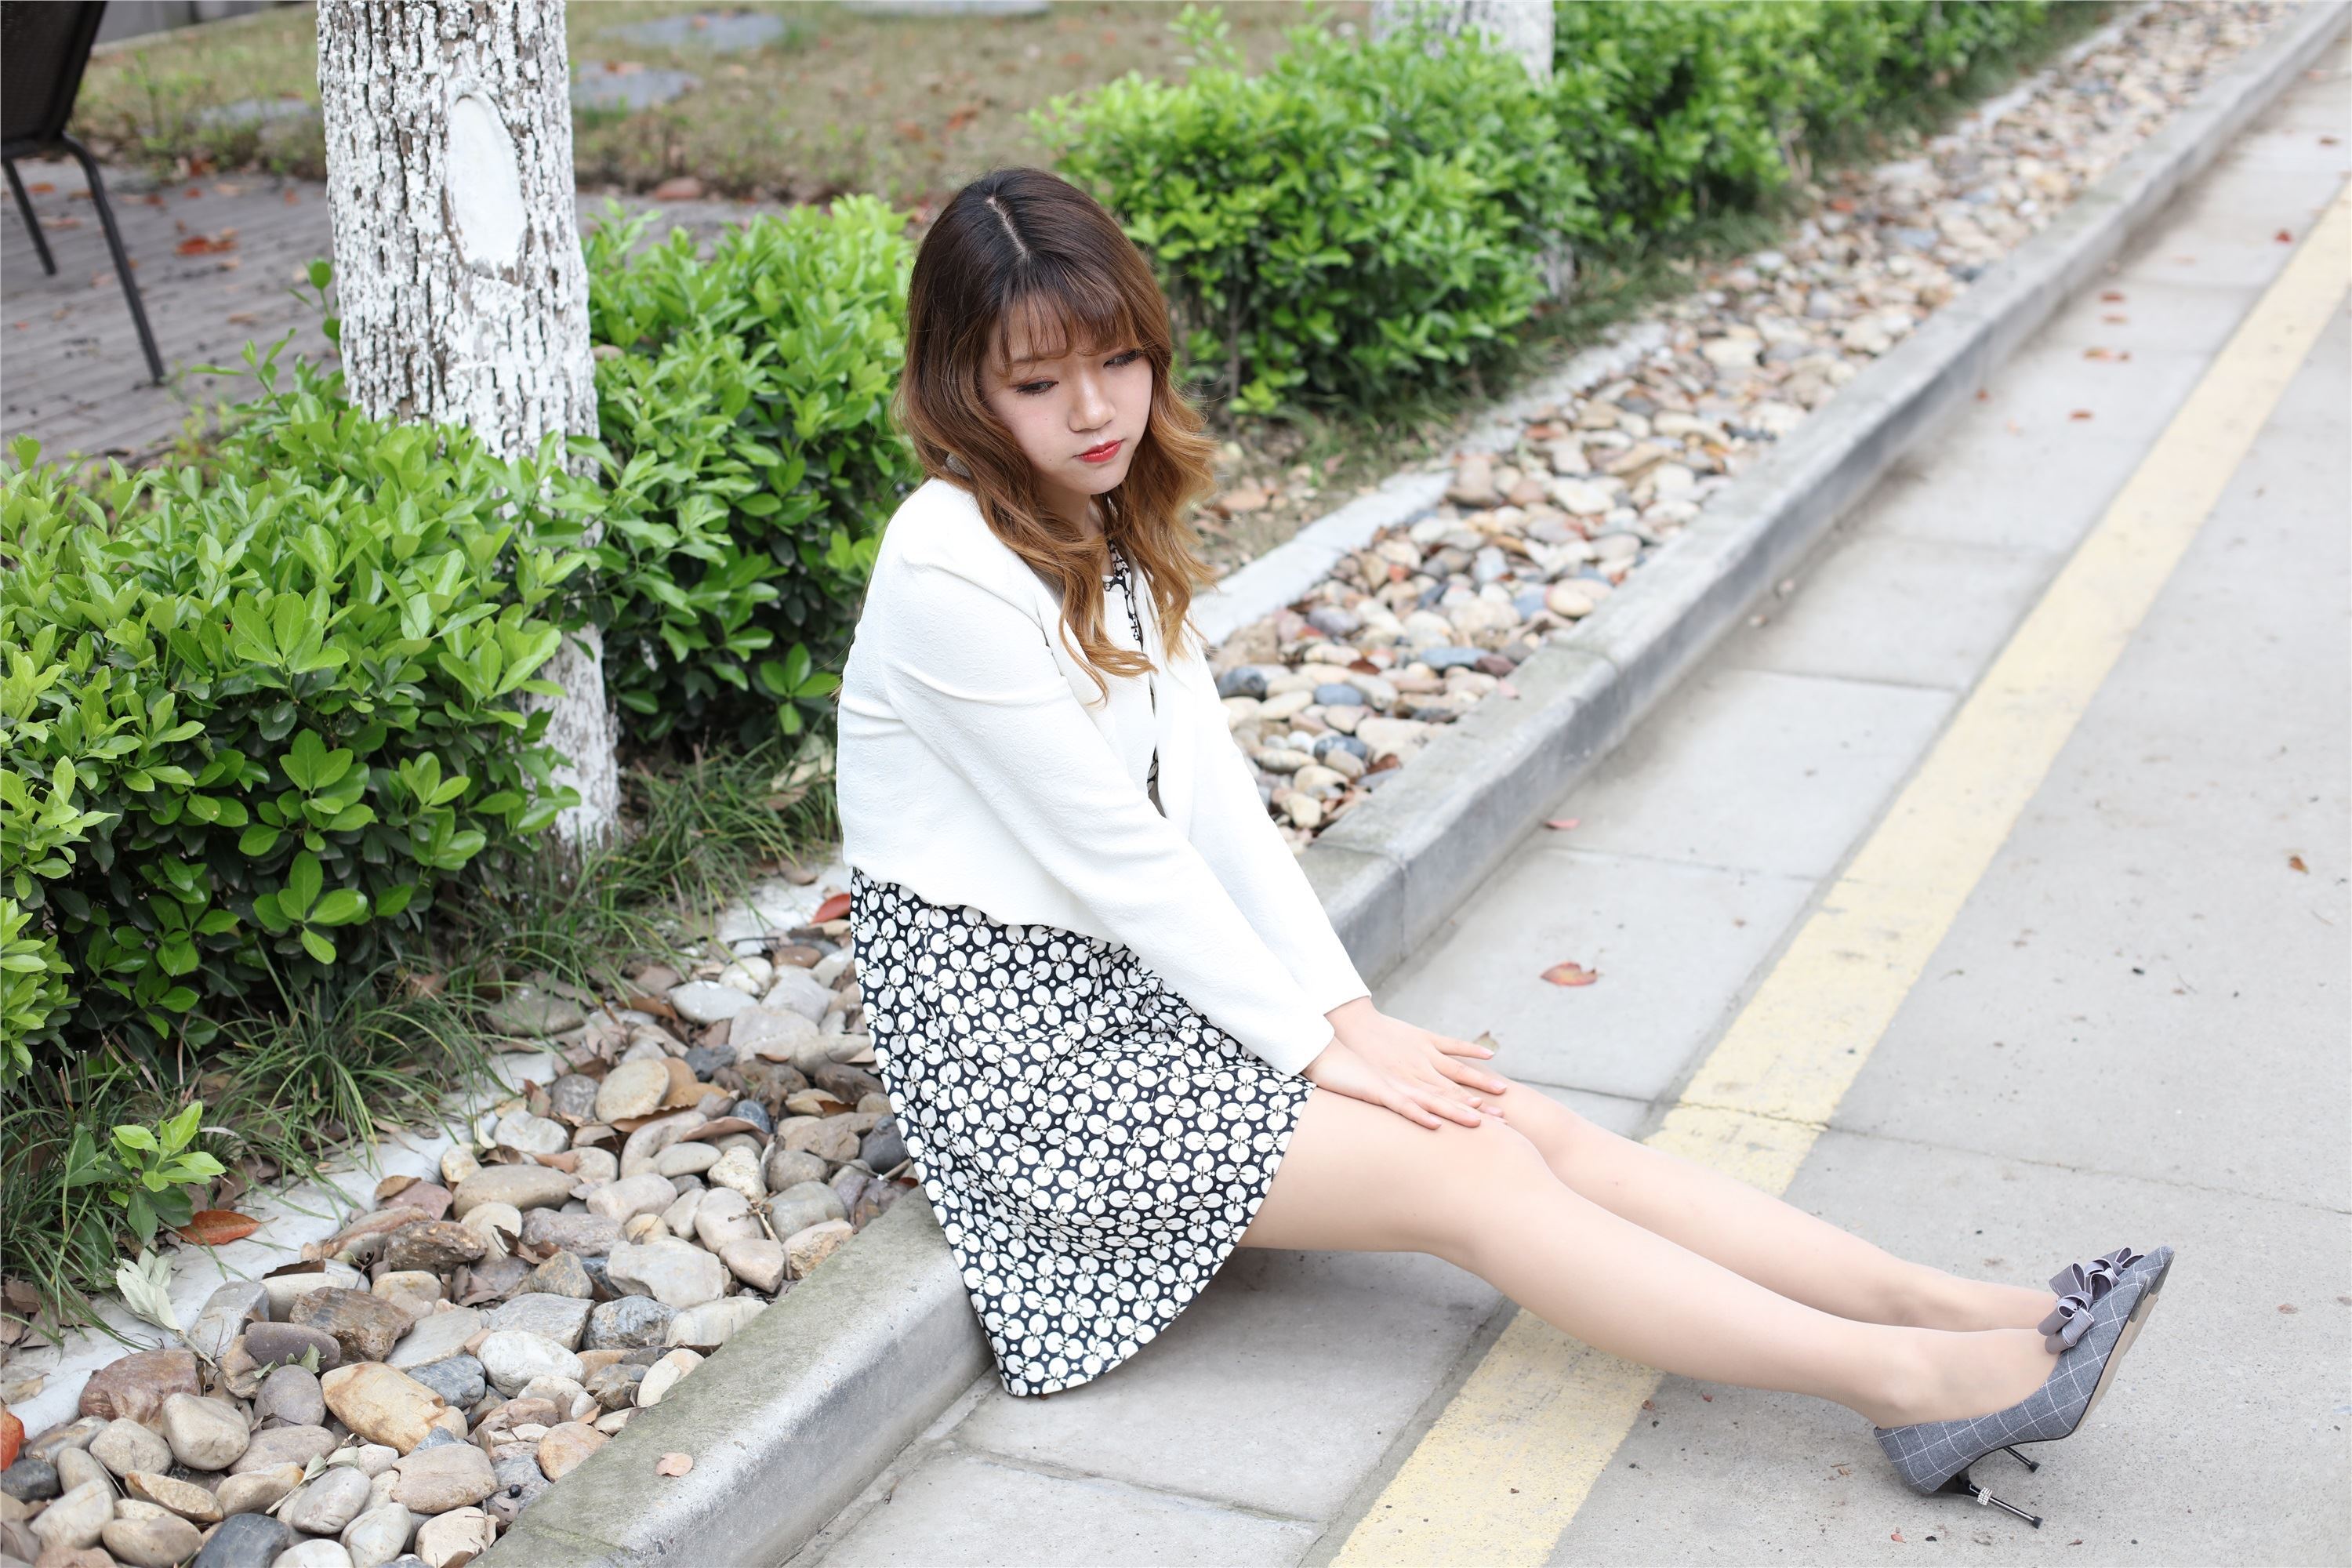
2132, 1032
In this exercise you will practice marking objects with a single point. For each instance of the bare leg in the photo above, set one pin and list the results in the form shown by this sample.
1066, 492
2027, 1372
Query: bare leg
1359, 1177
1776, 1244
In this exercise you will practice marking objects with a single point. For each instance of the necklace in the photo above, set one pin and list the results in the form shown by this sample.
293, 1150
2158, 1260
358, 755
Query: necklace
1119, 579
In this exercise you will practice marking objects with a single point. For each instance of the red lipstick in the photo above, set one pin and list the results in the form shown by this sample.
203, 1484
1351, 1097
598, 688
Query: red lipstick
1102, 454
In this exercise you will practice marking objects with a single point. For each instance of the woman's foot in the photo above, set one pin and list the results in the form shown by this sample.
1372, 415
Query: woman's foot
1947, 1302
1955, 1376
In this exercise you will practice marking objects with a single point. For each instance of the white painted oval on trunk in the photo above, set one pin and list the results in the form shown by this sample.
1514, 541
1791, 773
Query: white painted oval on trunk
484, 185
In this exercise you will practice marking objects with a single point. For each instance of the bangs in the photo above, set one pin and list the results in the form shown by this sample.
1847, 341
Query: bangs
1063, 312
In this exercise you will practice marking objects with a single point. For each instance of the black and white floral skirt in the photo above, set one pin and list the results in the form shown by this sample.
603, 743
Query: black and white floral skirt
1093, 1146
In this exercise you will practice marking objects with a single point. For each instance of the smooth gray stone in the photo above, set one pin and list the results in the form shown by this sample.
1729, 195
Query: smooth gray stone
519, 1479
562, 1274
798, 991
630, 1323
460, 1379
291, 1397
574, 1094
559, 1318
244, 1541
30, 1480
226, 1313
585, 1235
277, 1342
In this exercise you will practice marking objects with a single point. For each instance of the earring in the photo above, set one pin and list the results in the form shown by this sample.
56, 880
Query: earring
955, 466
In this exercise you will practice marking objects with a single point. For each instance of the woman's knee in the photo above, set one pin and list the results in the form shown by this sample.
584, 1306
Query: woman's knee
1358, 1176
1560, 1133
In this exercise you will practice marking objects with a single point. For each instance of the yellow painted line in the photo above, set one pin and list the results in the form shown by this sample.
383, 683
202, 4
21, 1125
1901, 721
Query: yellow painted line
1514, 1454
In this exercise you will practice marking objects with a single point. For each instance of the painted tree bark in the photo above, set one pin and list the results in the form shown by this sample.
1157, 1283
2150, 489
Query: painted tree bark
459, 275
1520, 28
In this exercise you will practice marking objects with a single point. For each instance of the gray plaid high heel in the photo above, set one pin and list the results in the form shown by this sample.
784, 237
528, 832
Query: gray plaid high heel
1934, 1456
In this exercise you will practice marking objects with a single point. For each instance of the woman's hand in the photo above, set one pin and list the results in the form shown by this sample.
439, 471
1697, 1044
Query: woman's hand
1415, 1072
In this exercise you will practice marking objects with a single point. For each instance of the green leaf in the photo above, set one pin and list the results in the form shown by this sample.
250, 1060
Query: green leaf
182, 1126
303, 880
340, 907
318, 946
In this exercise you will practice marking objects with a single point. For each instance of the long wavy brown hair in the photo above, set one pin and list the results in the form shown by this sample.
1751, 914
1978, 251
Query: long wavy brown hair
1023, 244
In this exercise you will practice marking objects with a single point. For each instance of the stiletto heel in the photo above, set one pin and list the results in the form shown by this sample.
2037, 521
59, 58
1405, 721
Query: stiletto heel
1961, 1485
1934, 1456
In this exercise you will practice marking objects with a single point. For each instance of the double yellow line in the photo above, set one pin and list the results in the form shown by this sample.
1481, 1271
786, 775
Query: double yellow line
1507, 1464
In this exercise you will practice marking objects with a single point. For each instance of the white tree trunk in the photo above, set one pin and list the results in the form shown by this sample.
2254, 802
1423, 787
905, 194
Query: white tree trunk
1520, 28
457, 267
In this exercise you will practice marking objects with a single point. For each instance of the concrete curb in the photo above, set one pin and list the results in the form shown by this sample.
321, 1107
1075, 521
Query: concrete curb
813, 1397
786, 1423
1393, 869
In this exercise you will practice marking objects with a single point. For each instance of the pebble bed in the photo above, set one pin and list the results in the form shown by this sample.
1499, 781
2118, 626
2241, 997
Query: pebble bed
426, 1373
1329, 697
423, 1375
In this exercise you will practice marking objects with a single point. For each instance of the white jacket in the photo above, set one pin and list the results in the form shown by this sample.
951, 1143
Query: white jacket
978, 766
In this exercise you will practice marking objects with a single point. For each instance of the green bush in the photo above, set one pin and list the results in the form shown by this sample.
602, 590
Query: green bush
254, 715
747, 457
1680, 106
1359, 220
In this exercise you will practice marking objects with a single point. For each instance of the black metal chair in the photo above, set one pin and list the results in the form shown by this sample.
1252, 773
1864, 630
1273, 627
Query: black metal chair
43, 48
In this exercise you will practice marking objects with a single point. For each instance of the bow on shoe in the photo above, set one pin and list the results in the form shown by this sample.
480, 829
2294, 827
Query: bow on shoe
2079, 1287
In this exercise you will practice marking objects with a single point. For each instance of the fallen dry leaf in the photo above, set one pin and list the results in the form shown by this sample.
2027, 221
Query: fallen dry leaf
2112, 295
1570, 973
674, 1464
2284, 237
393, 1186
1561, 824
2295, 863
832, 908
2289, 1311
208, 244
217, 1226
2080, 414
1896, 1536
